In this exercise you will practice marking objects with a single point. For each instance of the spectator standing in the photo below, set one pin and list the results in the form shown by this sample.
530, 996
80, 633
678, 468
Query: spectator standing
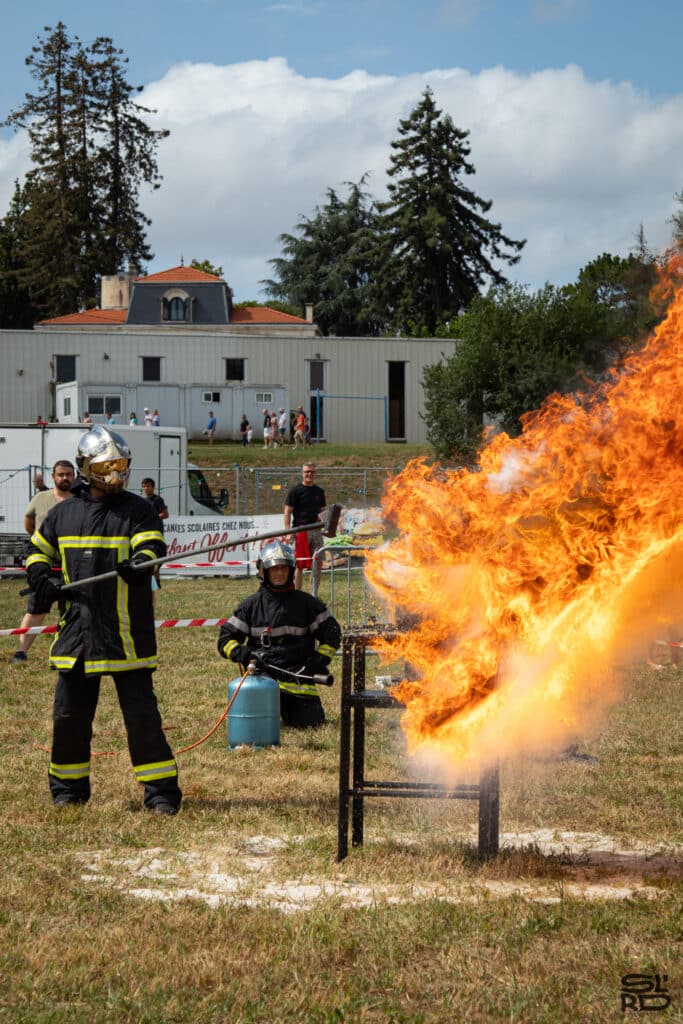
266, 428
282, 427
111, 419
210, 428
133, 420
159, 506
244, 430
87, 419
299, 427
63, 474
274, 438
156, 419
39, 482
305, 504
148, 417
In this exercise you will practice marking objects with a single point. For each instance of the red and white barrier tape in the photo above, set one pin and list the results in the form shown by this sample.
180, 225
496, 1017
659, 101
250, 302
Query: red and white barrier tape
159, 624
167, 565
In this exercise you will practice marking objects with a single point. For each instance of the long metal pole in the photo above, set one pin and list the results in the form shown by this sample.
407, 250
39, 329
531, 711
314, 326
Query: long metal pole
331, 525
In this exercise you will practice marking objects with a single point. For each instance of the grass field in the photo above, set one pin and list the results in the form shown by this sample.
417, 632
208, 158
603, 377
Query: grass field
236, 912
224, 453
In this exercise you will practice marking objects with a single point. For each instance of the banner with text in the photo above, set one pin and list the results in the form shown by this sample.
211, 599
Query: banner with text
187, 536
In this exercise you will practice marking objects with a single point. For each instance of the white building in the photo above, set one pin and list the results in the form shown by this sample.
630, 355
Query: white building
174, 342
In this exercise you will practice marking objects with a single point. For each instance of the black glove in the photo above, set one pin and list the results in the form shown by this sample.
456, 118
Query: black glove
47, 592
318, 664
243, 655
135, 577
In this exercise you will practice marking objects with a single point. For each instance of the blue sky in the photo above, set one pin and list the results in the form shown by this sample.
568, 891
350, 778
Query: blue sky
574, 108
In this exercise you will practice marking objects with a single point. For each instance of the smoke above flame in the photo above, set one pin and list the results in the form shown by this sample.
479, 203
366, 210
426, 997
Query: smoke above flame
518, 587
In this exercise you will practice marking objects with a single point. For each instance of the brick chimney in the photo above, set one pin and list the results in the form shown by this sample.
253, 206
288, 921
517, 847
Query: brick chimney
116, 289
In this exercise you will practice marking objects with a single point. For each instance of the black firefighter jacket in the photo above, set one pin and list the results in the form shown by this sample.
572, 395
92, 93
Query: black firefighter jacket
109, 623
283, 627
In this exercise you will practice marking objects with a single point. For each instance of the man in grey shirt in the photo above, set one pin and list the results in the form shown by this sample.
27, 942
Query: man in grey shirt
63, 475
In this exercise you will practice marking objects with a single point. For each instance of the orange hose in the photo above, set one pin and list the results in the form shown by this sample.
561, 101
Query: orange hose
220, 720
183, 750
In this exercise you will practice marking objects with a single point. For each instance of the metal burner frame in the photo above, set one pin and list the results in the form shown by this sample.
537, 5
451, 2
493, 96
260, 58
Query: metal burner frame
354, 787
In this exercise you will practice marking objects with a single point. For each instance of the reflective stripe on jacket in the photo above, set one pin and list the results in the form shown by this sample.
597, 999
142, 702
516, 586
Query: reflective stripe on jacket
284, 627
109, 623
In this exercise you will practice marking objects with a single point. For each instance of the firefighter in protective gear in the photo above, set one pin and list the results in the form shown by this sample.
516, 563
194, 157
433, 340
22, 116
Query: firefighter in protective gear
284, 629
107, 627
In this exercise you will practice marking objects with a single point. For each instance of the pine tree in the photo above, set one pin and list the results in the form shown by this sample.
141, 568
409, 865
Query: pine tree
49, 254
91, 151
676, 220
125, 158
16, 307
438, 246
330, 264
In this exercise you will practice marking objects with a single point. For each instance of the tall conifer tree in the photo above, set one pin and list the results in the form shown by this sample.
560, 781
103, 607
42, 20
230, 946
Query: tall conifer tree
439, 248
91, 152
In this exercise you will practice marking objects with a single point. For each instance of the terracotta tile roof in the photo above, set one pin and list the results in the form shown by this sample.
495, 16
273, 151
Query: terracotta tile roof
177, 275
89, 316
263, 315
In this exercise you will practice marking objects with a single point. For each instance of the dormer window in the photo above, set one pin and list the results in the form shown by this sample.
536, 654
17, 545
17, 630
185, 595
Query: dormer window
176, 307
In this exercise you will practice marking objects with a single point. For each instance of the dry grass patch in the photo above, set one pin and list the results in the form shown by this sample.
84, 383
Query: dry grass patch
236, 910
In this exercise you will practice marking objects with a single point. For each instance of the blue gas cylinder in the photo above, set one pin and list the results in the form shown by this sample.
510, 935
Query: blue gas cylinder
254, 718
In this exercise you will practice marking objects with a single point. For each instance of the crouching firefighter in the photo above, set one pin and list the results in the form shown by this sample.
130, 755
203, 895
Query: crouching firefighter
289, 633
106, 627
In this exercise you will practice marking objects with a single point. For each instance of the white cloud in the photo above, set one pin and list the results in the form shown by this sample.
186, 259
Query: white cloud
14, 163
572, 165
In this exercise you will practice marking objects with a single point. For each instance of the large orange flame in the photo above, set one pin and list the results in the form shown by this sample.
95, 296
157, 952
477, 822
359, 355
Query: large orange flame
522, 583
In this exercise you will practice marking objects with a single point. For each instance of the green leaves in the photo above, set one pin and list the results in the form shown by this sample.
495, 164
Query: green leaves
405, 265
517, 348
330, 263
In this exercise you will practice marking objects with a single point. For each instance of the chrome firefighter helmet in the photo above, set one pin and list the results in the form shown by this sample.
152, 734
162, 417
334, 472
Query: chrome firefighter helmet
104, 459
276, 553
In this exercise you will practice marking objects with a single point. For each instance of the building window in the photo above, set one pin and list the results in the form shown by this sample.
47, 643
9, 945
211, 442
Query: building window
151, 368
316, 375
176, 306
177, 309
104, 405
67, 407
65, 369
234, 369
211, 397
397, 400
264, 397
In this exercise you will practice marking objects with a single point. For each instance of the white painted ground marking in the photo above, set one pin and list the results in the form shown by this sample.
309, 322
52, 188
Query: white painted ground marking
238, 874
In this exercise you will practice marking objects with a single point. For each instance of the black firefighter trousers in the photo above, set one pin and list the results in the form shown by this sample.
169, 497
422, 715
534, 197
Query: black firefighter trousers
75, 703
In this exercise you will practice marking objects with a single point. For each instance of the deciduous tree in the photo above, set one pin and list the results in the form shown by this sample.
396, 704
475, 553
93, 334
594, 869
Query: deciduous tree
330, 262
516, 348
